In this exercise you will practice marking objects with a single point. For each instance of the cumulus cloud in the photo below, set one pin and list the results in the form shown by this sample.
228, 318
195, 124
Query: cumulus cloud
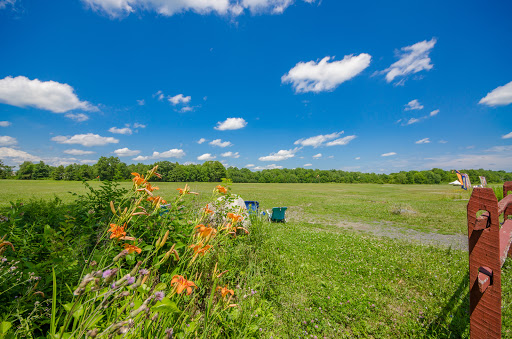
5, 123
231, 155
322, 76
48, 95
388, 154
159, 95
249, 165
317, 156
74, 151
423, 141
412, 105
499, 96
357, 158
200, 141
6, 140
16, 156
206, 157
412, 121
179, 99
87, 140
507, 136
220, 143
125, 130
318, 140
231, 124
434, 112
413, 59
122, 8
307, 165
279, 156
172, 153
137, 125
272, 166
341, 141
78, 117
126, 152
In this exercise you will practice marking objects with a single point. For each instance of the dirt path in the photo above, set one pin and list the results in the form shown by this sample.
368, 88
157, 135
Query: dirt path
387, 229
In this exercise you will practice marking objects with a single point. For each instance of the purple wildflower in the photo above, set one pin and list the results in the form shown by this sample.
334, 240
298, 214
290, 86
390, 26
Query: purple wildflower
169, 332
143, 271
4, 259
159, 295
113, 286
107, 274
130, 280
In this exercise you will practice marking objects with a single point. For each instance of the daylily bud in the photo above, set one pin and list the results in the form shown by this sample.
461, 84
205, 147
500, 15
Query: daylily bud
123, 254
112, 208
166, 235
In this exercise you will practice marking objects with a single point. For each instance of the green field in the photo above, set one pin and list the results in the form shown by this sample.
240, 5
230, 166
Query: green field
325, 273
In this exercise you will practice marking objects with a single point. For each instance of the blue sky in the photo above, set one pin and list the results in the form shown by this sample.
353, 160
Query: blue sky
366, 86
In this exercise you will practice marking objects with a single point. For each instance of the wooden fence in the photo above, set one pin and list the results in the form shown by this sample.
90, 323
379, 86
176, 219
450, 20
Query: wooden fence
489, 245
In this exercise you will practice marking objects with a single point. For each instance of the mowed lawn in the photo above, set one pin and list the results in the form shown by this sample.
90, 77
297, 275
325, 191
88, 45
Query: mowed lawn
320, 280
429, 208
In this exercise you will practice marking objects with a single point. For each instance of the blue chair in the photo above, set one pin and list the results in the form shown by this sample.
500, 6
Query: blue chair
278, 214
252, 207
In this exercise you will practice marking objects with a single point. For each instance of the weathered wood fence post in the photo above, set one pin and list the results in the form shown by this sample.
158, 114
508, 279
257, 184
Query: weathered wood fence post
489, 246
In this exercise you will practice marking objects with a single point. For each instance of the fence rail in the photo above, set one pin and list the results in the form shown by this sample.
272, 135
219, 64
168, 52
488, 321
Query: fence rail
489, 245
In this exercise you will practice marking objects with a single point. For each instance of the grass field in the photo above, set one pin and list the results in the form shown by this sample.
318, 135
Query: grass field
322, 280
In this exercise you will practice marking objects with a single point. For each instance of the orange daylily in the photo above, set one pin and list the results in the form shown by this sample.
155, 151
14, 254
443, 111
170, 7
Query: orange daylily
204, 231
185, 190
151, 188
138, 179
180, 283
157, 200
132, 248
221, 189
207, 210
199, 249
117, 231
224, 291
235, 217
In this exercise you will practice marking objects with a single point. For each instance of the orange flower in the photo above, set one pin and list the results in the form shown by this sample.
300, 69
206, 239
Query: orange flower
204, 231
224, 291
180, 283
157, 200
221, 189
132, 248
236, 218
207, 210
199, 249
151, 188
185, 190
138, 179
117, 231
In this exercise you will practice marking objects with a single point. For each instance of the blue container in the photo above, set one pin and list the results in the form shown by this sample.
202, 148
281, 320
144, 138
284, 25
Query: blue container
252, 207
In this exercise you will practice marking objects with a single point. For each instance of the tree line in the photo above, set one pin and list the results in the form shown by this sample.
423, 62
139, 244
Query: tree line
112, 168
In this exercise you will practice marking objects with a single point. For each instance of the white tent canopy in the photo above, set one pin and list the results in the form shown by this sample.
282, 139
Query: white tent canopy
456, 182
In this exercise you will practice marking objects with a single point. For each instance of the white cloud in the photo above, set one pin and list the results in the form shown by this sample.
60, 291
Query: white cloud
443, 141
231, 124
6, 140
172, 153
5, 123
125, 130
495, 161
413, 59
77, 152
88, 162
220, 143
307, 165
413, 104
507, 136
388, 154
231, 155
279, 156
317, 156
48, 95
5, 3
434, 112
186, 109
272, 166
126, 152
249, 165
206, 157
342, 141
200, 141
78, 117
318, 140
412, 121
16, 156
141, 102
121, 8
137, 125
423, 141
357, 158
179, 99
325, 76
159, 95
87, 140
499, 96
